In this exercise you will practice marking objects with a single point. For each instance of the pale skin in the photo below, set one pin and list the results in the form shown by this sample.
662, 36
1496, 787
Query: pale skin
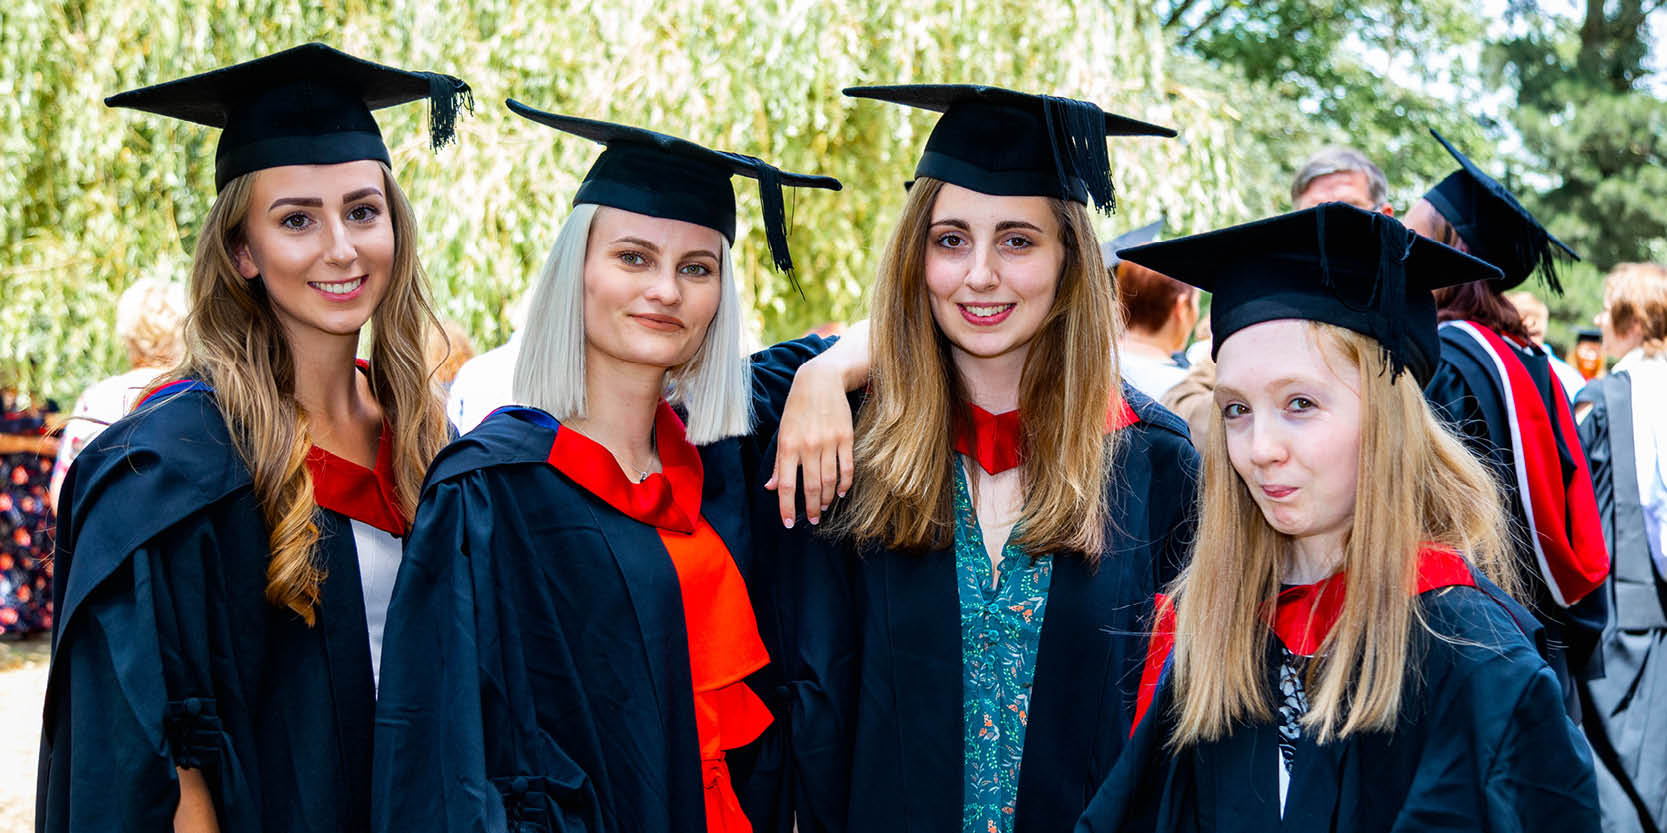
1293, 436
992, 269
651, 293
313, 231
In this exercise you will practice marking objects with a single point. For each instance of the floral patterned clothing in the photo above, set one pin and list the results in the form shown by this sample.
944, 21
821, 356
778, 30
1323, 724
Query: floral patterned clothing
26, 526
1001, 627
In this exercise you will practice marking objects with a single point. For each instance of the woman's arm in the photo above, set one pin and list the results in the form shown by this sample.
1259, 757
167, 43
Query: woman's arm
195, 813
816, 428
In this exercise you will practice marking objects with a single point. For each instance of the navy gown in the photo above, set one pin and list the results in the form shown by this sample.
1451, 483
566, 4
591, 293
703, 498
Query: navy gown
1466, 391
536, 674
872, 670
1483, 745
166, 653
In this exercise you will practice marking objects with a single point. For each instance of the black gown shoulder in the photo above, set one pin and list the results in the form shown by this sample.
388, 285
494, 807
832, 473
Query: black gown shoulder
1482, 745
873, 665
535, 673
167, 654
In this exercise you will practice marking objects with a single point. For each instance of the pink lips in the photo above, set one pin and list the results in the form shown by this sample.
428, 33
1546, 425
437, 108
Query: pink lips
663, 323
342, 296
1277, 492
986, 320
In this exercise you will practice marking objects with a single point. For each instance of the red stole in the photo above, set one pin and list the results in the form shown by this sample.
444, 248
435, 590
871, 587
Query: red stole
724, 646
1562, 512
1301, 617
996, 441
366, 495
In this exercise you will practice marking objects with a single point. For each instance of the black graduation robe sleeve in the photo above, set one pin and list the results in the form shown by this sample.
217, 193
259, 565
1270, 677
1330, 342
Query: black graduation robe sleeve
167, 654
773, 369
431, 756
135, 698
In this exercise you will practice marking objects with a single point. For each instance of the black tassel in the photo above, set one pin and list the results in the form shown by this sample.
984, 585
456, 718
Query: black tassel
446, 96
775, 219
1078, 131
1390, 290
1534, 248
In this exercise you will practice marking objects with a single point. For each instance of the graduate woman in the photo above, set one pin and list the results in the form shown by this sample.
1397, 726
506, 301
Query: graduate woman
572, 633
226, 552
1343, 655
1014, 507
1495, 387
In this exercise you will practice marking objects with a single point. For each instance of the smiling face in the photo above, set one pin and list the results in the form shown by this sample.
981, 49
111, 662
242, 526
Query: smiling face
321, 240
1291, 410
652, 288
992, 268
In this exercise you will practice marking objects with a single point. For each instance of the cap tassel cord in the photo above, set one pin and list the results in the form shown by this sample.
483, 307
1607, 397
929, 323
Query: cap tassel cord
775, 219
1390, 287
446, 96
1083, 124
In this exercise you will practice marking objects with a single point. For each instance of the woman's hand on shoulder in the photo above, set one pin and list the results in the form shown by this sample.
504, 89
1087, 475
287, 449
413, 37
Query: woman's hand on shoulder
816, 432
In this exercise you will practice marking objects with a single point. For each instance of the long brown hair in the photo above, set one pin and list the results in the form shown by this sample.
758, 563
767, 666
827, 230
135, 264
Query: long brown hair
903, 492
235, 344
1418, 485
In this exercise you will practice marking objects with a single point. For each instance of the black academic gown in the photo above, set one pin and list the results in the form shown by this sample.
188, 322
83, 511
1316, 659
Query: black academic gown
1483, 745
166, 653
535, 672
1465, 391
875, 677
1624, 709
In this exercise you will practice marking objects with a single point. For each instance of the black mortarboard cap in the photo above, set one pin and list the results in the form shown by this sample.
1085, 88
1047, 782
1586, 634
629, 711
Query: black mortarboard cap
1008, 143
1334, 263
309, 105
663, 176
1129, 239
1495, 226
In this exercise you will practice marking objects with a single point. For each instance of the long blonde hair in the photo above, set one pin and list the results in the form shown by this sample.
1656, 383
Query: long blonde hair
903, 492
235, 344
1417, 485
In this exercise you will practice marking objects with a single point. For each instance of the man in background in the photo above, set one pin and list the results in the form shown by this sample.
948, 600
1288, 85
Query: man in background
1341, 174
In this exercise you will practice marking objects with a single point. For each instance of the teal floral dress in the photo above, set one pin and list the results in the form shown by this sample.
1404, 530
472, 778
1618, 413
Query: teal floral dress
1001, 626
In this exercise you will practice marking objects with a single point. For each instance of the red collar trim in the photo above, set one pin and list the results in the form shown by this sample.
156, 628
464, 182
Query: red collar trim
1304, 615
669, 500
365, 495
996, 441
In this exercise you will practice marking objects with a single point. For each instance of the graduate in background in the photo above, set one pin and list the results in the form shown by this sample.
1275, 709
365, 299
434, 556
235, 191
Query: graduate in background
1623, 428
1014, 508
1496, 388
227, 551
1343, 655
572, 635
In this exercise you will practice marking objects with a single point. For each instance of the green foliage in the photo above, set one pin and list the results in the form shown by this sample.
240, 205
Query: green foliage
99, 197
1592, 129
1362, 73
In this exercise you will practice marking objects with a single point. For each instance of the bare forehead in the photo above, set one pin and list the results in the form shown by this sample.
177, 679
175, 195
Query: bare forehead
974, 207
1276, 354
319, 180
613, 224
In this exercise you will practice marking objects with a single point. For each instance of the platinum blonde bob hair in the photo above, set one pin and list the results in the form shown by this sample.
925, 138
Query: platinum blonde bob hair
550, 371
